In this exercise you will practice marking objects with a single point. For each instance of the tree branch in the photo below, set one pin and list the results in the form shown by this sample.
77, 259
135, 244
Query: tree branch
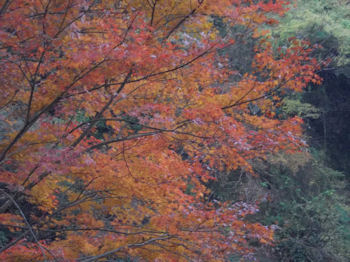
99, 114
26, 221
149, 241
183, 20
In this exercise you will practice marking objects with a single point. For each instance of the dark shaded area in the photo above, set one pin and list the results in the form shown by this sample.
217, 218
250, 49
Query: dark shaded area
331, 132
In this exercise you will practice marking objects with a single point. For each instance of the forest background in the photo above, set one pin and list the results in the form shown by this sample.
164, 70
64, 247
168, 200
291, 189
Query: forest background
175, 130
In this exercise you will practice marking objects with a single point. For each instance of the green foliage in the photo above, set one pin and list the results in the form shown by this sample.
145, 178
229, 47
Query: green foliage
322, 22
303, 198
308, 207
296, 107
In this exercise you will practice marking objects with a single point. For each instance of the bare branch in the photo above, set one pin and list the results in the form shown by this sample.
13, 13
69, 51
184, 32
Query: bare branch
153, 10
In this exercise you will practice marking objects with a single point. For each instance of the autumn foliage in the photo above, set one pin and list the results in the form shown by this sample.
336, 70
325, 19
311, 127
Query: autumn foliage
114, 113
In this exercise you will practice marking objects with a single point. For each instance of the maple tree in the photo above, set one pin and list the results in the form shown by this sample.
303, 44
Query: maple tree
114, 115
